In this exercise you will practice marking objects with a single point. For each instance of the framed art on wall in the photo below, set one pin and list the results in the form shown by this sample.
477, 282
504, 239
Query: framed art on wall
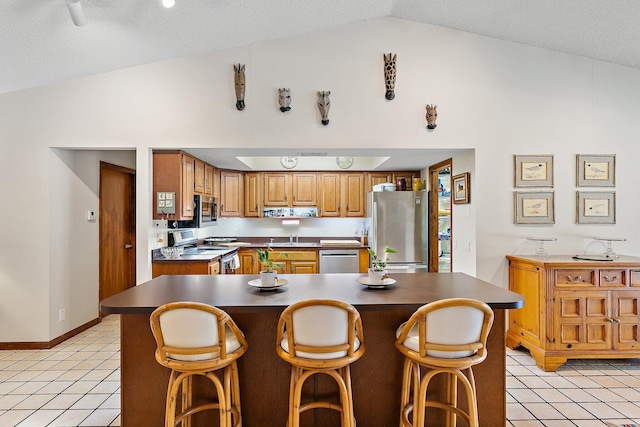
595, 207
534, 207
533, 170
461, 188
595, 170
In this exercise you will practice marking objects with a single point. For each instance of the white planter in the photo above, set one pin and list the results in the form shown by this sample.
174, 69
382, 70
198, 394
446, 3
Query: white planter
268, 278
376, 277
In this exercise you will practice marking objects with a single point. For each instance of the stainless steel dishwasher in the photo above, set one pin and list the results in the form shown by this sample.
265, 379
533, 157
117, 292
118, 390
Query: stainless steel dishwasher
339, 261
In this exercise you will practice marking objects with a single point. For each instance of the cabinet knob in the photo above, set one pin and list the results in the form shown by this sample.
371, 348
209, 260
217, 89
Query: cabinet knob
612, 279
570, 279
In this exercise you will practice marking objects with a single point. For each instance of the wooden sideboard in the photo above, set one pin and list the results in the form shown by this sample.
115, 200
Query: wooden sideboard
575, 309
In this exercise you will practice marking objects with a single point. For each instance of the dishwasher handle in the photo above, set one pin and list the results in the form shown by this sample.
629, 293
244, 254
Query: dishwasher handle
339, 255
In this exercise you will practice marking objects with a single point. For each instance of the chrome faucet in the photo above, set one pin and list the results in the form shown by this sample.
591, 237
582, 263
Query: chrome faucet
291, 238
271, 240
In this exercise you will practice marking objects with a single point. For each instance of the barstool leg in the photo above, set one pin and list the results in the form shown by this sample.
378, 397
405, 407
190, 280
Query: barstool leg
187, 386
235, 394
170, 406
452, 398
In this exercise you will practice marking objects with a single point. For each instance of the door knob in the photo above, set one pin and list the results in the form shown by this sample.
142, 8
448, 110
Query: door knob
128, 246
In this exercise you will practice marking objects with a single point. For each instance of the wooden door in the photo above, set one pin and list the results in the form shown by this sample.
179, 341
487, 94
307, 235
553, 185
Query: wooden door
231, 194
353, 199
117, 230
187, 186
276, 189
303, 267
248, 262
329, 200
304, 189
252, 194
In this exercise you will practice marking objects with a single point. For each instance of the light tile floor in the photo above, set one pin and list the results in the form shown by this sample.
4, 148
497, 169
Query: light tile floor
77, 383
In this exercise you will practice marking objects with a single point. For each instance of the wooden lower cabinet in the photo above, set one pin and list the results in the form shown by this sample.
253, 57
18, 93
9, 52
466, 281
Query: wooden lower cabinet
295, 262
575, 308
185, 267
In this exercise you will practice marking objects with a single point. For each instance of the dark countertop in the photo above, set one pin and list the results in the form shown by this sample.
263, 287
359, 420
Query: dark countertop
233, 291
279, 244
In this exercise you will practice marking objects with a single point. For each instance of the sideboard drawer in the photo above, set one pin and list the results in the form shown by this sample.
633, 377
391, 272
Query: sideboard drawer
612, 278
575, 277
635, 278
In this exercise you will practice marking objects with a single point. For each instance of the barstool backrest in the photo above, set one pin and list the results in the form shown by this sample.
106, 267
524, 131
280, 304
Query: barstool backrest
189, 331
449, 329
320, 329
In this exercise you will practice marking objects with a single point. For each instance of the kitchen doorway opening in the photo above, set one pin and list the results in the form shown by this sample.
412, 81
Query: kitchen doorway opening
440, 224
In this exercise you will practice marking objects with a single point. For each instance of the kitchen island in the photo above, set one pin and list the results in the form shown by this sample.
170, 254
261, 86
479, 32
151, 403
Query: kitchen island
264, 377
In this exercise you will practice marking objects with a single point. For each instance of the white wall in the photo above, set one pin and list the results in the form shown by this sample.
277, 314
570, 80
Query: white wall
495, 97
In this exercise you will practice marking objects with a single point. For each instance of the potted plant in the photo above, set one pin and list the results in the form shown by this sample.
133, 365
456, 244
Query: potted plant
268, 275
377, 272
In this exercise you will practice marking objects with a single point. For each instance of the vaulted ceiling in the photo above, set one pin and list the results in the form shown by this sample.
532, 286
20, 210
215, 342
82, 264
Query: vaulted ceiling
40, 45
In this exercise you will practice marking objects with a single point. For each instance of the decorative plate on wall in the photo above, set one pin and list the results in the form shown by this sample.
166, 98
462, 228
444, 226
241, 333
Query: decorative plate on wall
344, 162
289, 162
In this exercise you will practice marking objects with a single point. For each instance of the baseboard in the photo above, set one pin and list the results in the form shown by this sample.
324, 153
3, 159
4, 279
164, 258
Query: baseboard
44, 345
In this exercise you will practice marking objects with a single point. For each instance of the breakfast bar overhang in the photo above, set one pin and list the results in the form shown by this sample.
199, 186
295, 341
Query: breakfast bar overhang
264, 377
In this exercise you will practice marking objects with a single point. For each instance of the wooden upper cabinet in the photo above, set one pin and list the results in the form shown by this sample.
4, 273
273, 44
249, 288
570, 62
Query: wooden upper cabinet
231, 193
276, 189
216, 183
353, 196
199, 176
290, 189
208, 180
173, 172
342, 194
304, 187
329, 194
375, 178
252, 194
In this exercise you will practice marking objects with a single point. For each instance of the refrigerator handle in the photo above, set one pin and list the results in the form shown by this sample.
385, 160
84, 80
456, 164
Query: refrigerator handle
373, 226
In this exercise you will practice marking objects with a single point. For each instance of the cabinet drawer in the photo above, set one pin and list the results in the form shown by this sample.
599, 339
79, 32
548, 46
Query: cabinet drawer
575, 277
612, 278
293, 255
635, 278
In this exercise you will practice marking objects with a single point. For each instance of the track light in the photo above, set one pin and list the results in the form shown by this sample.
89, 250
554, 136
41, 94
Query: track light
76, 12
168, 3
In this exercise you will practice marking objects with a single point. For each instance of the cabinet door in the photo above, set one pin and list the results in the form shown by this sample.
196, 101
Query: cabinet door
276, 189
198, 186
187, 187
353, 195
375, 178
252, 194
208, 180
582, 320
626, 319
214, 267
231, 194
248, 262
302, 267
329, 200
304, 189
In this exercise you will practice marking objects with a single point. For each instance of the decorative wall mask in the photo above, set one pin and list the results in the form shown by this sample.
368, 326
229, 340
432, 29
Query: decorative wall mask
432, 115
390, 75
324, 103
284, 99
239, 80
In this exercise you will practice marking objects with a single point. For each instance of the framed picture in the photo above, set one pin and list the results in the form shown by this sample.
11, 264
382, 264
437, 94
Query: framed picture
595, 170
534, 207
461, 188
533, 170
595, 207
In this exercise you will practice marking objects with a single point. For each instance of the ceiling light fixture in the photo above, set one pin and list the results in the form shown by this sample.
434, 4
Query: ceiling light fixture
168, 3
76, 12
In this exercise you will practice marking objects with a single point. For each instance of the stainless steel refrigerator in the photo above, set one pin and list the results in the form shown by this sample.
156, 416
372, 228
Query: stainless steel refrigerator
399, 220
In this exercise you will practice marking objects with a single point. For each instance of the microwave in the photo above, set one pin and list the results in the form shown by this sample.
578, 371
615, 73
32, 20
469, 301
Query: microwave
206, 210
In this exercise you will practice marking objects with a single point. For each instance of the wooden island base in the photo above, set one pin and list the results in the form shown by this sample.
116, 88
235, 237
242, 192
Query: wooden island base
264, 377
